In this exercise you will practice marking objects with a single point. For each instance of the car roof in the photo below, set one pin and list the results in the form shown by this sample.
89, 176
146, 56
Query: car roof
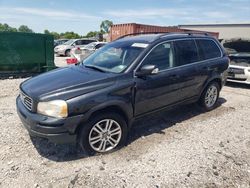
150, 38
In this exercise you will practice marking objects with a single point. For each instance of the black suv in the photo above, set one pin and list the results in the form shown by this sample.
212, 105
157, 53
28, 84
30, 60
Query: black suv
95, 102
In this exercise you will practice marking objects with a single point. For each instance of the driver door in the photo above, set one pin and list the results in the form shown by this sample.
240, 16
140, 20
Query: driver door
157, 91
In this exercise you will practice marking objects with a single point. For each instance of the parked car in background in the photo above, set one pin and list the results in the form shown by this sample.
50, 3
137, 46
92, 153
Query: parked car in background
96, 102
81, 53
239, 54
239, 68
65, 48
59, 42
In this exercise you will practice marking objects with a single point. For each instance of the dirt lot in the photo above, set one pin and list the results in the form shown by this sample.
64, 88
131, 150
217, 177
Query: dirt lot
178, 148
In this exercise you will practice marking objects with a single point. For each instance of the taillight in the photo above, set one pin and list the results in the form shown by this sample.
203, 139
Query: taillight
71, 61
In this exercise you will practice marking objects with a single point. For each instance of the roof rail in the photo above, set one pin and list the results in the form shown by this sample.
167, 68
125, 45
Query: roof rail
163, 34
187, 33
144, 33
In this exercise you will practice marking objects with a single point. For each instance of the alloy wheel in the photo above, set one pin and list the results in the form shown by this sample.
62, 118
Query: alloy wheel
211, 96
105, 135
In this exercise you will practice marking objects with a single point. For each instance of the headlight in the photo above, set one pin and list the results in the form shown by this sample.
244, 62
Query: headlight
56, 108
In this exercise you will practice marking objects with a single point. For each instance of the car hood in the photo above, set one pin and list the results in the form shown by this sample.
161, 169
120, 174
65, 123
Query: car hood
66, 83
240, 59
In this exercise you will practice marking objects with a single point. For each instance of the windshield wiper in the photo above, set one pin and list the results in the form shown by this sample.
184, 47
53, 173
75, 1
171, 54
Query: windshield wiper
94, 67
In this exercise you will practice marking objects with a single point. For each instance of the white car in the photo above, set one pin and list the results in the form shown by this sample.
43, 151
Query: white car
65, 48
81, 53
239, 68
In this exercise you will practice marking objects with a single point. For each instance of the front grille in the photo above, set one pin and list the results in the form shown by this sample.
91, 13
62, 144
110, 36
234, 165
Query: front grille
26, 100
236, 70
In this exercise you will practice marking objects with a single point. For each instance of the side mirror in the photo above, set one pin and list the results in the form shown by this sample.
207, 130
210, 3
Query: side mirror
147, 70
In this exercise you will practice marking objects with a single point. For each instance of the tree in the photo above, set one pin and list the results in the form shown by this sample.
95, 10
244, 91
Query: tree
55, 34
92, 34
70, 35
46, 31
105, 26
25, 29
6, 27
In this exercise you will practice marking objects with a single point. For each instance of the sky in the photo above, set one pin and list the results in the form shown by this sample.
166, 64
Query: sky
83, 16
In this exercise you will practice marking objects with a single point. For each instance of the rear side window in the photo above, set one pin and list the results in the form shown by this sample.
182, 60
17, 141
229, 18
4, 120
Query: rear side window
186, 52
208, 49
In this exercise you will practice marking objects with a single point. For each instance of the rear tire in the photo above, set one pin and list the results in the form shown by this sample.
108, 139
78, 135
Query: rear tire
210, 96
104, 133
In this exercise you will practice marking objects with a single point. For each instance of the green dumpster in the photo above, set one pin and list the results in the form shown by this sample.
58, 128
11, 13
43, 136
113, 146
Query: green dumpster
26, 53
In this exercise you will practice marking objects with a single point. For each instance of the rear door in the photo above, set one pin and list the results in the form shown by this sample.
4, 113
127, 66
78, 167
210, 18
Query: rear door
210, 57
187, 58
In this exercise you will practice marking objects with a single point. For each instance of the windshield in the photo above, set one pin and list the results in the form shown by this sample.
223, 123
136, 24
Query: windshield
115, 57
69, 42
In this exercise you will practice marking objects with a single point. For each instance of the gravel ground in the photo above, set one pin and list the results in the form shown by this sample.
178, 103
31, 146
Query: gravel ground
179, 148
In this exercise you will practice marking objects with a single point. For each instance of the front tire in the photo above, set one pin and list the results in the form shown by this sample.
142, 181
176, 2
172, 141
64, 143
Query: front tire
104, 133
210, 96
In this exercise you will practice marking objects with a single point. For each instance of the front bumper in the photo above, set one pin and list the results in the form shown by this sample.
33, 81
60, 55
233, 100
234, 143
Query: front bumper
239, 74
53, 129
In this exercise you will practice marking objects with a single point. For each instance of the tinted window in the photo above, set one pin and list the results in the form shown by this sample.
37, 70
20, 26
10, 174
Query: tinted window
186, 52
161, 56
208, 49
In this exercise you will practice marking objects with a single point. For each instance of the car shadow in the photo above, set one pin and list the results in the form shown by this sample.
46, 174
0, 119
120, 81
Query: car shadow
158, 122
151, 124
238, 85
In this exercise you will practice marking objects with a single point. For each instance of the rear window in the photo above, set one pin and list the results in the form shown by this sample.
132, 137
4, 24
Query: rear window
186, 52
208, 49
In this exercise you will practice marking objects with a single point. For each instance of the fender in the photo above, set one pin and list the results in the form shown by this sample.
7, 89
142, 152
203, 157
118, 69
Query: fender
126, 109
215, 76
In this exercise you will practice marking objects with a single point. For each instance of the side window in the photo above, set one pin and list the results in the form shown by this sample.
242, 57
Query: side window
208, 49
161, 56
186, 52
85, 42
78, 42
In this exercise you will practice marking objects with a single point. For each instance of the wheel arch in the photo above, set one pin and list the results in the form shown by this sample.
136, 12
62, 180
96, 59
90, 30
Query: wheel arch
216, 79
112, 108
116, 107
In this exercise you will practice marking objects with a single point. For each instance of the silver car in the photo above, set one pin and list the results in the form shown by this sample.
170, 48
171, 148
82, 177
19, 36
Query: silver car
65, 48
83, 52
239, 68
